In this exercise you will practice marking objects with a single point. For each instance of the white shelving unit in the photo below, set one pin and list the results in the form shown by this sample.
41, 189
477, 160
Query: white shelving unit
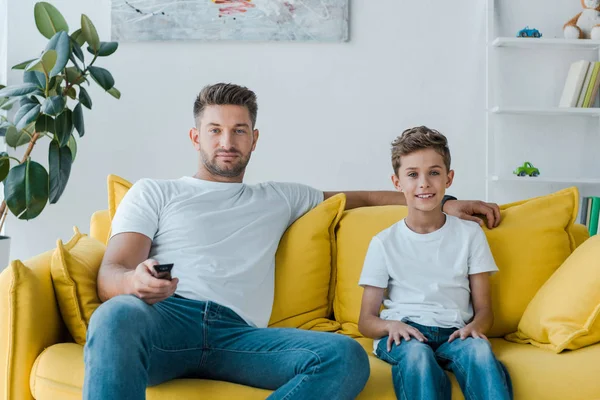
496, 43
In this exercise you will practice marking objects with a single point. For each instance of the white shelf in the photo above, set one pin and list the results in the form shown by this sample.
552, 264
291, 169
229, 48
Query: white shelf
572, 111
542, 43
540, 179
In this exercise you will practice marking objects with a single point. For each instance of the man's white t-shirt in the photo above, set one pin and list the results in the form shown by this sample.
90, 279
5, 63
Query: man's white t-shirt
427, 275
222, 237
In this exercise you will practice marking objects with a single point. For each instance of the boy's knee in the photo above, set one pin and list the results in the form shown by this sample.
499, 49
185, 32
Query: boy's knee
479, 350
418, 356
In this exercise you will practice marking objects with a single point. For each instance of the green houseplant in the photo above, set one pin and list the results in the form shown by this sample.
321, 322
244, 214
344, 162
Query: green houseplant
49, 104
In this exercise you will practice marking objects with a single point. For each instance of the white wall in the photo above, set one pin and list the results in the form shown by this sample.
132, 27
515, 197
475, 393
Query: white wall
327, 112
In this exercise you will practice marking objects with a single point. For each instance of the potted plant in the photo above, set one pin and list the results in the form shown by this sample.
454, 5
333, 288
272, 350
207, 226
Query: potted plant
49, 104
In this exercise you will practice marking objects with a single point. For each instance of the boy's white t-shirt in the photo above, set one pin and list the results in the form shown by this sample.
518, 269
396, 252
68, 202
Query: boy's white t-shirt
427, 275
222, 237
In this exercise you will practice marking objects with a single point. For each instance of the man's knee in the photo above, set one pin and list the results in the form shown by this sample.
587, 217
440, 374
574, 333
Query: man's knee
118, 316
351, 358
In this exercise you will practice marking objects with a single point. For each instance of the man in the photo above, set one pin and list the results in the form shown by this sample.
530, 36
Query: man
222, 235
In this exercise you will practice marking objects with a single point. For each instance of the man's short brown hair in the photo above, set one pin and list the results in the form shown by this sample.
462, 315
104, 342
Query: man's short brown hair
419, 138
221, 94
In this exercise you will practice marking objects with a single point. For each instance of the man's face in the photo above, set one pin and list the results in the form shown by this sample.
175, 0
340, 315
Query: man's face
225, 140
423, 179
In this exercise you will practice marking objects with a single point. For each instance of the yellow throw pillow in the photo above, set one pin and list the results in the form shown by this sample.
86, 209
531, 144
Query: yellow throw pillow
354, 233
117, 188
74, 270
565, 312
304, 263
532, 241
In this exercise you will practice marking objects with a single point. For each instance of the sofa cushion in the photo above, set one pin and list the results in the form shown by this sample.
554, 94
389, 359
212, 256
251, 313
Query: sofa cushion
304, 262
58, 374
29, 320
535, 373
532, 241
74, 270
565, 312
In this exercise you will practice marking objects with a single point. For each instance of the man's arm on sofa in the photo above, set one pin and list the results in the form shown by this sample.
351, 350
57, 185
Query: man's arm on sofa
126, 269
464, 209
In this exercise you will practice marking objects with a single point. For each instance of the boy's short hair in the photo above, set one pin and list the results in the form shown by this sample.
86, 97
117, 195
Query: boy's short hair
419, 138
221, 94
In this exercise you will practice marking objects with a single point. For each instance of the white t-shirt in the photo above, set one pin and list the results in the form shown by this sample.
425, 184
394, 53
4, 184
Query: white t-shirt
222, 237
427, 275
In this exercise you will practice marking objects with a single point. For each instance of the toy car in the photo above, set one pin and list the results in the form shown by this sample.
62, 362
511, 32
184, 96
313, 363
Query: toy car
526, 169
529, 32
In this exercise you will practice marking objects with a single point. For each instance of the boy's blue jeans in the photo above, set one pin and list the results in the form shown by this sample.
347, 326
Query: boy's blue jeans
132, 345
417, 367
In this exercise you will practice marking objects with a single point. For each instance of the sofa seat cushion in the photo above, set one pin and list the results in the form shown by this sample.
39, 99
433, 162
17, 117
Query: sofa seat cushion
536, 373
58, 374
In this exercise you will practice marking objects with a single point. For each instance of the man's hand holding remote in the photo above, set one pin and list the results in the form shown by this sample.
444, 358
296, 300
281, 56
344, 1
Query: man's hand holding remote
148, 284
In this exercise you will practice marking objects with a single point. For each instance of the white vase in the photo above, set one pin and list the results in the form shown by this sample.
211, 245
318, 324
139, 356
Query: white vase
4, 252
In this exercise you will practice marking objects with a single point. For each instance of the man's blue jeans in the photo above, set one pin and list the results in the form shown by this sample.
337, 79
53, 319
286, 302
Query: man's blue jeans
132, 345
417, 367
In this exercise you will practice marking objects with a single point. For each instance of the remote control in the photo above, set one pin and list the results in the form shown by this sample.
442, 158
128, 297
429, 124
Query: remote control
163, 268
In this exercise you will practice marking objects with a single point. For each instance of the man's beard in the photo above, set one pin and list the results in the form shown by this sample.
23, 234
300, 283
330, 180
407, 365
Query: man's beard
235, 169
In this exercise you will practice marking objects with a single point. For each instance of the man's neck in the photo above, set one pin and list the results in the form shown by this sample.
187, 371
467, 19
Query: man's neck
425, 221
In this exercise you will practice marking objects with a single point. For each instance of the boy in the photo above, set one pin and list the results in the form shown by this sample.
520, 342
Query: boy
436, 269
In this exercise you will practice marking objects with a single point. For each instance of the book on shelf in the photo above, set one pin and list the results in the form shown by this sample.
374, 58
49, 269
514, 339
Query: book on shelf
589, 213
582, 84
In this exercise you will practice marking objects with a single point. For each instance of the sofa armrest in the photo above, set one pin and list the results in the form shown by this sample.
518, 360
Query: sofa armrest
580, 234
30, 321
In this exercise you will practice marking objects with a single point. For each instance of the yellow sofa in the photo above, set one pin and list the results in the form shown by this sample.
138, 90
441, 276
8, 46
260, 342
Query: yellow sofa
39, 359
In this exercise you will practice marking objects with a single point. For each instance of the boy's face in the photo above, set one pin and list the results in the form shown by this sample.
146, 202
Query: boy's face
423, 179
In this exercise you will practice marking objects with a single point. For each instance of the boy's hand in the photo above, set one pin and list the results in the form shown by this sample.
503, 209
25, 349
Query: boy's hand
471, 330
397, 329
467, 209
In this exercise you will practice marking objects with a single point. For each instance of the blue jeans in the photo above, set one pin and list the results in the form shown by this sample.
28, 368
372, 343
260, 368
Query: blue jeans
132, 345
417, 367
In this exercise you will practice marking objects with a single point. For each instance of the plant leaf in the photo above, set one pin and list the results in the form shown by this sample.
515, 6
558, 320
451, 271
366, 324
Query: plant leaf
89, 32
35, 77
23, 64
63, 127
44, 123
84, 98
102, 77
73, 146
72, 93
45, 63
114, 92
60, 43
59, 162
74, 76
26, 114
4, 165
26, 190
49, 20
78, 37
78, 119
105, 49
54, 105
18, 90
15, 138
77, 50
8, 103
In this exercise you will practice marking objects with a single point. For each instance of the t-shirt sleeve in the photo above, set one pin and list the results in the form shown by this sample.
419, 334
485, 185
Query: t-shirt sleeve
375, 271
301, 198
480, 255
139, 210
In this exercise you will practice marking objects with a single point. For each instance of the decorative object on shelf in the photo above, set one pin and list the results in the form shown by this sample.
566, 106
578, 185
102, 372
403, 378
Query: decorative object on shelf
529, 32
527, 169
49, 102
586, 24
248, 20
